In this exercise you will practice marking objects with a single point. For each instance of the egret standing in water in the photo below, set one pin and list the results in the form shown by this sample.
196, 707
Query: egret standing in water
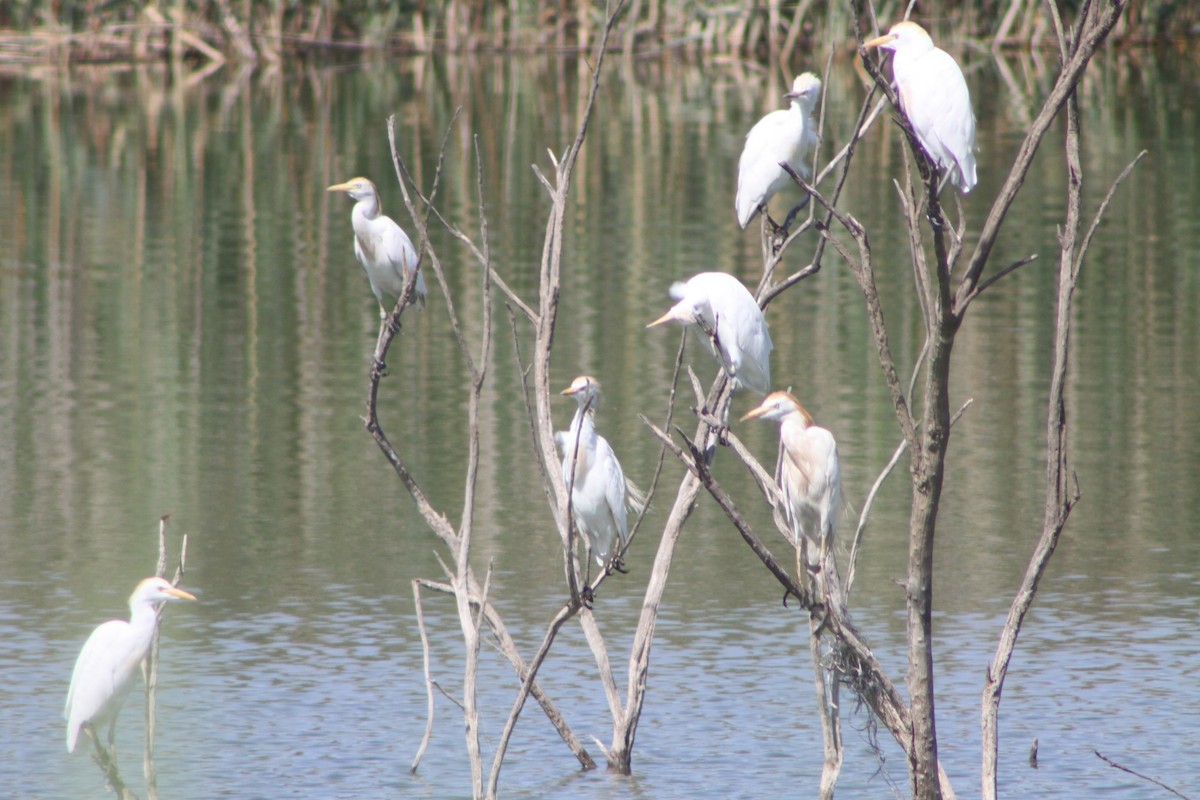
599, 491
380, 245
935, 98
110, 660
731, 324
783, 136
809, 476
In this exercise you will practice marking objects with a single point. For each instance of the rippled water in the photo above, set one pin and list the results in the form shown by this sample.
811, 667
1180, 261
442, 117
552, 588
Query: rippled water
183, 329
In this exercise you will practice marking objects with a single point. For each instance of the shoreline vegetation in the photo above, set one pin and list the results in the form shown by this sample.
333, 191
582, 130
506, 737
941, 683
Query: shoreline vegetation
217, 31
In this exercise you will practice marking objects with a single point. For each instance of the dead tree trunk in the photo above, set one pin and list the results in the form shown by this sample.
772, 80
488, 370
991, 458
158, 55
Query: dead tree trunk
944, 304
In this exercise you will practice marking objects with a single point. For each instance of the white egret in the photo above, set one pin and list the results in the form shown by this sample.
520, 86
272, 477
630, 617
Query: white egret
380, 245
731, 323
783, 136
110, 659
809, 476
935, 98
599, 493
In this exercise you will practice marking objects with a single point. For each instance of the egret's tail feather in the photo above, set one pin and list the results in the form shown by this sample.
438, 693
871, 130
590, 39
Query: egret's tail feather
635, 498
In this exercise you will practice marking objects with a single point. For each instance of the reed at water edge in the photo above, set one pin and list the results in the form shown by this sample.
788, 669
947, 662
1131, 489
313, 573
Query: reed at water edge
228, 30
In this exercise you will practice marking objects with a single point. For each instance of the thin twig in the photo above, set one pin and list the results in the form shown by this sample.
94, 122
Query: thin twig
150, 665
1137, 774
1103, 208
523, 372
767, 291
416, 587
422, 224
869, 503
449, 696
864, 272
1013, 267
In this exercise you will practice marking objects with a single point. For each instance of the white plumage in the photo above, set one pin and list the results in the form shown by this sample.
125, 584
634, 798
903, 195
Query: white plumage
935, 98
110, 659
786, 135
809, 475
731, 325
599, 492
380, 245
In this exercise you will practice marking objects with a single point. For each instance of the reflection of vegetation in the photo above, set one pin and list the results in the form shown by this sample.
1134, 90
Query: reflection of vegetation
220, 29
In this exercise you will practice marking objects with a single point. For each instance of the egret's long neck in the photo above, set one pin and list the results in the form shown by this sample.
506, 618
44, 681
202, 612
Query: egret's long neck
368, 207
580, 440
908, 55
143, 619
583, 425
792, 425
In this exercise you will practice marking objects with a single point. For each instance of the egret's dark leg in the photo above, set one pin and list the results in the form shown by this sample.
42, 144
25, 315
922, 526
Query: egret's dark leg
380, 366
943, 177
772, 224
586, 594
791, 217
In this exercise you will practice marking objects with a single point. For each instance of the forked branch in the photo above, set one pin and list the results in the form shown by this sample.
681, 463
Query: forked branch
1062, 490
472, 601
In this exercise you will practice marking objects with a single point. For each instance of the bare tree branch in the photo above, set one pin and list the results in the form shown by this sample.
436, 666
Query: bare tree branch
1013, 267
863, 270
620, 752
769, 291
826, 683
1137, 774
1062, 492
1103, 209
852, 561
541, 414
564, 614
466, 588
1093, 29
497, 279
422, 225
429, 682
851, 658
150, 666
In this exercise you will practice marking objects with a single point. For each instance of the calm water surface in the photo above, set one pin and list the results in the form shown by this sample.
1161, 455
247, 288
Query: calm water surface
183, 329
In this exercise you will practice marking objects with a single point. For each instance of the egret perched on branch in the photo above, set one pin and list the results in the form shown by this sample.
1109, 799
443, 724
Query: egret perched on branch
599, 491
783, 136
731, 325
934, 97
110, 659
810, 479
380, 245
